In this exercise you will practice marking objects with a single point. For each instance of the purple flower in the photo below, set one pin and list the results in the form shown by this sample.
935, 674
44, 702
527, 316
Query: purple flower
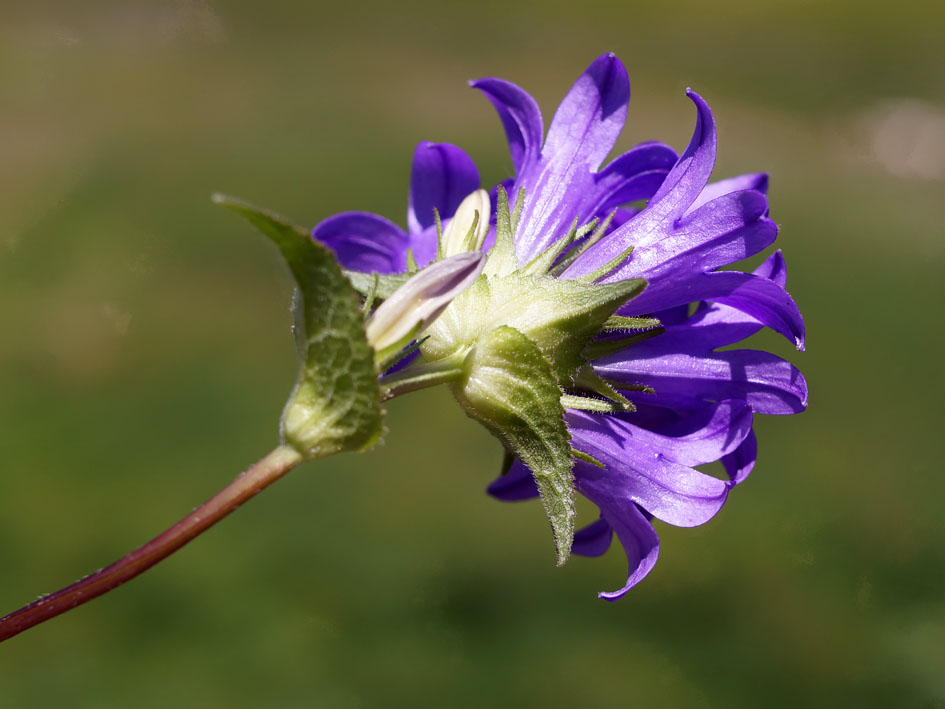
694, 403
659, 395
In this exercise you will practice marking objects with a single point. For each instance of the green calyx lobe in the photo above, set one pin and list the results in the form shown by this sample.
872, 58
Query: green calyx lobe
509, 387
335, 404
560, 317
522, 334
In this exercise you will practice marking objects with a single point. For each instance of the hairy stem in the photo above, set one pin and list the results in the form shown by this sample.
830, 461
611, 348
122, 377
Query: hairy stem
248, 484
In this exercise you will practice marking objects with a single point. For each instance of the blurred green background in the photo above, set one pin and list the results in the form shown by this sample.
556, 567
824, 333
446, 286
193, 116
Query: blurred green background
145, 355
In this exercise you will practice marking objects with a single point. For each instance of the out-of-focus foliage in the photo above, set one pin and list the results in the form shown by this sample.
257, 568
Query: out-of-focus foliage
139, 370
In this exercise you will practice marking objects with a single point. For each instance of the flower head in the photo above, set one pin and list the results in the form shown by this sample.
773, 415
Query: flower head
617, 312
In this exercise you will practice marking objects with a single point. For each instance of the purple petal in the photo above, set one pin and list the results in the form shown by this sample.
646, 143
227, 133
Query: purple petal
695, 437
763, 301
675, 404
756, 181
364, 242
717, 222
423, 245
517, 484
520, 118
773, 307
594, 539
656, 413
712, 326
635, 175
725, 230
638, 470
622, 216
734, 321
690, 175
770, 384
773, 268
728, 229
589, 120
739, 463
640, 543
676, 315
441, 176
583, 132
707, 434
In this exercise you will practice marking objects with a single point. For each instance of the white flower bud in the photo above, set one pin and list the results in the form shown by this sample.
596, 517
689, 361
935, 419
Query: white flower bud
420, 300
467, 230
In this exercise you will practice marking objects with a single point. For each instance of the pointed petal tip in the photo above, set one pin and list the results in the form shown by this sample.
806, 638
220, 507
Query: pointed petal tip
610, 58
706, 121
520, 117
637, 574
612, 595
613, 64
441, 175
701, 105
762, 180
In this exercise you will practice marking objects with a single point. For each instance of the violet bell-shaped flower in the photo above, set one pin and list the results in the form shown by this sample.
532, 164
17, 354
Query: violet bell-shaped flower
591, 344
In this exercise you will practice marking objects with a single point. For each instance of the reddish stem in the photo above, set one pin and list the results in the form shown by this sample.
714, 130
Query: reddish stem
248, 484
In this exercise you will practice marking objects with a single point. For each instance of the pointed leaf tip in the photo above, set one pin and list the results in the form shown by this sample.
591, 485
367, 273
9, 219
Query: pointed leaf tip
512, 390
335, 405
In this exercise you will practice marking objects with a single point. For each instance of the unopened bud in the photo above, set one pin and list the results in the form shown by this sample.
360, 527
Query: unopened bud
469, 226
419, 301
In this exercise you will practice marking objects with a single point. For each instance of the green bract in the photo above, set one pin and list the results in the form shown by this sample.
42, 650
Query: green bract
520, 334
335, 405
509, 387
560, 316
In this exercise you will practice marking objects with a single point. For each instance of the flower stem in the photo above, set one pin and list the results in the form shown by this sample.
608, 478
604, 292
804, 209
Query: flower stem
269, 469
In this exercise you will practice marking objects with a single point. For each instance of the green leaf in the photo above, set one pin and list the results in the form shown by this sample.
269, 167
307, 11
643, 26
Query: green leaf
512, 390
335, 405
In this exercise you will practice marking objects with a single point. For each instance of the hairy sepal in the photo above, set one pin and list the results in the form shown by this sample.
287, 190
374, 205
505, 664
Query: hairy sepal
560, 316
509, 386
335, 405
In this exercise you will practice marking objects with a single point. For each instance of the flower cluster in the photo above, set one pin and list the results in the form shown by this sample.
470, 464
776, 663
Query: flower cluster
608, 280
